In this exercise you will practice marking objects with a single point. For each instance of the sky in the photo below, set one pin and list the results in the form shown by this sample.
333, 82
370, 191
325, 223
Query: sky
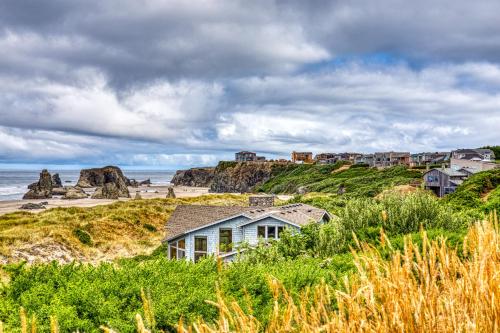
171, 84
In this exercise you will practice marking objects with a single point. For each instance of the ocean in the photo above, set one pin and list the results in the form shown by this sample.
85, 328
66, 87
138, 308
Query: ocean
13, 184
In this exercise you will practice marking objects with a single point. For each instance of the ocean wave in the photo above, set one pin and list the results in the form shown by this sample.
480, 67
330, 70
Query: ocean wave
12, 190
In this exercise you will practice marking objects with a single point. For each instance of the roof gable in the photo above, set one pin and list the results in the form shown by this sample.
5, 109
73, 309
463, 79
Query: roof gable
189, 218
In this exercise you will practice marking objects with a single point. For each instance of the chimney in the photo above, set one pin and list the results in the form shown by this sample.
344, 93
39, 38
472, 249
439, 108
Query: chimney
261, 201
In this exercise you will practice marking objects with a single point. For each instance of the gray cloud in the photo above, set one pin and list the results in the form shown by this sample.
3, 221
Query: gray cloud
175, 82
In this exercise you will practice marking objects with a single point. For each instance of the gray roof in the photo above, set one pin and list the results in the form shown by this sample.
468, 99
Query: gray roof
186, 218
450, 172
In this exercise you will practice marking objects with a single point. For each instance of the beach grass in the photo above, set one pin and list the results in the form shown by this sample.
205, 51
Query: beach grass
105, 232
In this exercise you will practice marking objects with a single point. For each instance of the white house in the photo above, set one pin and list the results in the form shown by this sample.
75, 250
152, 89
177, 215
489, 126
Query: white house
195, 231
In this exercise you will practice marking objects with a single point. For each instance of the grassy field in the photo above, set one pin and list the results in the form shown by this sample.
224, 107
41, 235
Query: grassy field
122, 229
84, 297
357, 181
301, 281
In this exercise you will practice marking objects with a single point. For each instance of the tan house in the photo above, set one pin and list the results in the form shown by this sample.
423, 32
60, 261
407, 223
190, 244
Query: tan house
302, 157
391, 158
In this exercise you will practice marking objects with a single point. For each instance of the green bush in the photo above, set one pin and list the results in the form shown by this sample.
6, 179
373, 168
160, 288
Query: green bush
83, 236
150, 227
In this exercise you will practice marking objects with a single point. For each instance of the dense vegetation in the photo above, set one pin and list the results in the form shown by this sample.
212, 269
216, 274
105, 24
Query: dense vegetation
356, 181
84, 297
480, 191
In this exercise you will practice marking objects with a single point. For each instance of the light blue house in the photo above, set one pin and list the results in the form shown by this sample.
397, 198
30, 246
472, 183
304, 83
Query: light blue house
195, 231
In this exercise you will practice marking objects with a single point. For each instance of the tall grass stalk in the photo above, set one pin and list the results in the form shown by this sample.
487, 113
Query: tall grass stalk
427, 288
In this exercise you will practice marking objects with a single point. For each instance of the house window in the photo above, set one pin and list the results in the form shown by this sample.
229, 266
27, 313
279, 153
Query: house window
181, 248
261, 231
225, 240
269, 231
178, 249
200, 248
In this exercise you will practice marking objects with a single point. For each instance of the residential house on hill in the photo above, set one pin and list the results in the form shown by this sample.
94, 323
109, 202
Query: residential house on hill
330, 158
195, 231
473, 159
443, 181
302, 157
245, 156
470, 154
422, 159
248, 156
391, 158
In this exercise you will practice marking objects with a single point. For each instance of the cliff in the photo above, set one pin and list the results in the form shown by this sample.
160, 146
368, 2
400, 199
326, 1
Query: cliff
240, 177
227, 177
196, 177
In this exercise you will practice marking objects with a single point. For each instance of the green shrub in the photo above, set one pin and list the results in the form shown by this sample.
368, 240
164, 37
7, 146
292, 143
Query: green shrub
150, 227
83, 236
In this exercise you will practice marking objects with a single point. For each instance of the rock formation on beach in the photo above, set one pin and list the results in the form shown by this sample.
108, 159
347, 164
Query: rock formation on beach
56, 181
41, 189
135, 183
110, 182
73, 193
170, 193
196, 177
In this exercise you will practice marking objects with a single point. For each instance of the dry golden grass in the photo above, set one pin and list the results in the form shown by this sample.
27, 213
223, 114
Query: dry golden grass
423, 289
117, 230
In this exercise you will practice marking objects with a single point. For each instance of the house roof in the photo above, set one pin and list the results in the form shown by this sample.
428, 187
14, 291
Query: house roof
449, 172
187, 218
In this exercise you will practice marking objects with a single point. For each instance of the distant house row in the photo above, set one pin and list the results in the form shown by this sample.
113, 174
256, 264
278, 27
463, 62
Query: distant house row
388, 159
462, 164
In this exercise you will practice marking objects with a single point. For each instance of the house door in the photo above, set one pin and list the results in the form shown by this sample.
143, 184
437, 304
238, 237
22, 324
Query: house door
200, 247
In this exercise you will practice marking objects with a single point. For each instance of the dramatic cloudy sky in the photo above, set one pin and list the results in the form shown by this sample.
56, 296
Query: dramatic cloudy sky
165, 84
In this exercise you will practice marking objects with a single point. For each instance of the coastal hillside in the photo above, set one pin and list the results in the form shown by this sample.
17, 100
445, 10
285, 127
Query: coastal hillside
481, 190
288, 178
355, 180
93, 234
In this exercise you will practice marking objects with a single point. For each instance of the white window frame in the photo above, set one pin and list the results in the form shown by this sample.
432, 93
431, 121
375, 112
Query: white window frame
180, 253
266, 226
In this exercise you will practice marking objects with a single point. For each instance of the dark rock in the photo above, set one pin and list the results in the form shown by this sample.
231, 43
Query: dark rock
132, 183
67, 181
239, 177
108, 191
44, 203
31, 206
146, 182
73, 193
59, 190
197, 177
41, 189
110, 182
56, 180
170, 193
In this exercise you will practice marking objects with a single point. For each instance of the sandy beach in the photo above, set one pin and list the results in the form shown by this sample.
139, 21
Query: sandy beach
146, 192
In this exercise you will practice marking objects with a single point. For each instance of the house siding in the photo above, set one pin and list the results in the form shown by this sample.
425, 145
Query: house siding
212, 234
246, 233
250, 230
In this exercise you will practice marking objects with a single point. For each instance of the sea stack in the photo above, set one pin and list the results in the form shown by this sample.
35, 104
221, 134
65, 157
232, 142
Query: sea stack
109, 181
41, 189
